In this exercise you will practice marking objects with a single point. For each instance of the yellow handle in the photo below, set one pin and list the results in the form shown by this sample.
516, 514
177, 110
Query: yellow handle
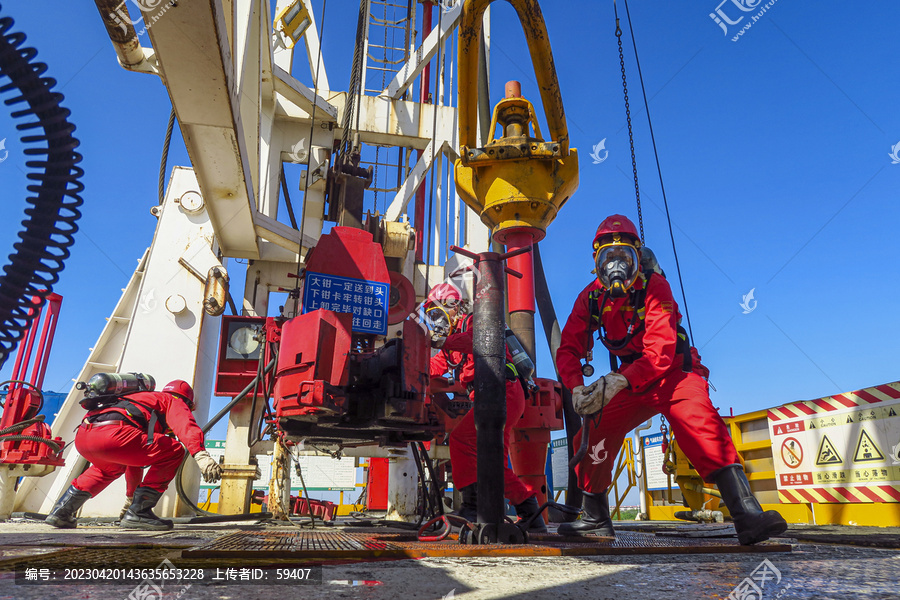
535, 29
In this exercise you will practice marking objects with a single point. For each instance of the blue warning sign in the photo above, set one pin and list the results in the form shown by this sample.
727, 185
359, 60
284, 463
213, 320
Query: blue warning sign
365, 300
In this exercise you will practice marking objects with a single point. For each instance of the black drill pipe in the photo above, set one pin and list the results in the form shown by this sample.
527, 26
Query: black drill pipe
489, 349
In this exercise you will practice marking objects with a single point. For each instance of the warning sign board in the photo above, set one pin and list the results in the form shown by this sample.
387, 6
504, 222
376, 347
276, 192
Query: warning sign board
559, 461
653, 462
842, 448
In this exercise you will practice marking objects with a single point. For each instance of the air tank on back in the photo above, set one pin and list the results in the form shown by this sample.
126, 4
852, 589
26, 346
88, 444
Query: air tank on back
117, 384
523, 363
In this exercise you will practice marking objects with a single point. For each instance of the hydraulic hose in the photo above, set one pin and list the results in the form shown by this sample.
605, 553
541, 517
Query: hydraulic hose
573, 421
49, 228
31, 438
22, 425
179, 486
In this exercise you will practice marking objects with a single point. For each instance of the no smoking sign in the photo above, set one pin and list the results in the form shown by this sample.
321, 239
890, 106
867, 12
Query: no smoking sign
791, 453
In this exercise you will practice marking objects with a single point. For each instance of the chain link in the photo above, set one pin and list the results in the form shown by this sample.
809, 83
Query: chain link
637, 187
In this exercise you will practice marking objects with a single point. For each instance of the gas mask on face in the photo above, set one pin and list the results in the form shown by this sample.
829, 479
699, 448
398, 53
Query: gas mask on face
438, 321
617, 267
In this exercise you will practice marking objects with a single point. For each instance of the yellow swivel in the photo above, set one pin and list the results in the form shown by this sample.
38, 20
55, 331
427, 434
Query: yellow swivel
519, 181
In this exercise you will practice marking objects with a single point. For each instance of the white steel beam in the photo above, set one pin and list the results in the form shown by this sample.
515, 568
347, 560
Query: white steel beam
195, 60
248, 70
280, 234
386, 122
313, 49
410, 185
289, 87
423, 54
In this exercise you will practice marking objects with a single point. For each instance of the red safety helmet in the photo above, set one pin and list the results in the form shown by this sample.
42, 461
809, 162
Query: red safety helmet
444, 294
182, 389
617, 224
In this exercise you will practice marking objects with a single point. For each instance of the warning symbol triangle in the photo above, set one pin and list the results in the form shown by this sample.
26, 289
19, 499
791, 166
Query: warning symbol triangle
849, 419
812, 425
866, 450
892, 413
827, 453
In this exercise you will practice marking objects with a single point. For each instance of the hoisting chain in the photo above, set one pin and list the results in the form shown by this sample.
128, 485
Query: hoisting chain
668, 449
637, 187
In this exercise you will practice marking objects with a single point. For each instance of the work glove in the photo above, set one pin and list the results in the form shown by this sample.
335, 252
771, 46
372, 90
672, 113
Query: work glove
438, 339
209, 468
589, 399
129, 500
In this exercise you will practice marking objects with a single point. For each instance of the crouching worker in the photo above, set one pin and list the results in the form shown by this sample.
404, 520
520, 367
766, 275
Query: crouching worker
128, 434
456, 357
656, 371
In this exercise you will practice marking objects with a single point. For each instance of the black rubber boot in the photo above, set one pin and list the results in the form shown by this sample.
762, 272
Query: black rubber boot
63, 513
594, 519
528, 509
140, 514
751, 523
468, 510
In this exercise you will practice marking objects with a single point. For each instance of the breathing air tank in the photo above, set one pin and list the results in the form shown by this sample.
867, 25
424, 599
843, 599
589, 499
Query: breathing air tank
116, 384
523, 363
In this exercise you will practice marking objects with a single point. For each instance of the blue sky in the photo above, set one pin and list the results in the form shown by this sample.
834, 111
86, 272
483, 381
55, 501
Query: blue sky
774, 151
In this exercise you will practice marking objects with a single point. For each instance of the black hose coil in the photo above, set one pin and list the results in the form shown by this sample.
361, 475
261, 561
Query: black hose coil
49, 229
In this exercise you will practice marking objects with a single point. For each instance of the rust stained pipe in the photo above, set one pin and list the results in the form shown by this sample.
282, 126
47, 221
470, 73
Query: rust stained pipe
121, 32
535, 29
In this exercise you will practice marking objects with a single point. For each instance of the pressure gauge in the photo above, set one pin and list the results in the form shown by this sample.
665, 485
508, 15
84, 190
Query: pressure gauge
243, 341
244, 338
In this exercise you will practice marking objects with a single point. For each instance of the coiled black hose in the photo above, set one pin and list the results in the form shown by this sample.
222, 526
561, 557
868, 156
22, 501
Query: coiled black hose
49, 229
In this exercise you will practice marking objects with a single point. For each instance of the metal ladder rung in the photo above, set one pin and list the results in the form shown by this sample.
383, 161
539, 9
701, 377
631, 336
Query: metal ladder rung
101, 365
384, 62
392, 24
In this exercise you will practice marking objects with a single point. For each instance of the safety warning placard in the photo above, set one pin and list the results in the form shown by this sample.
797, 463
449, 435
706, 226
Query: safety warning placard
653, 462
842, 448
365, 300
559, 461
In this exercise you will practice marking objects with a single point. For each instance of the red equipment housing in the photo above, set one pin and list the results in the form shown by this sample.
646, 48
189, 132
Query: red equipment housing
24, 399
528, 450
331, 384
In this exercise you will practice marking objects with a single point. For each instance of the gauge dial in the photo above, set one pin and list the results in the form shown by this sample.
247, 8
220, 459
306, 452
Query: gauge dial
243, 340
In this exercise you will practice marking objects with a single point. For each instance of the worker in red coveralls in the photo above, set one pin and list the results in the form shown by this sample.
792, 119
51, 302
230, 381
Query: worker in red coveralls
129, 436
455, 356
638, 322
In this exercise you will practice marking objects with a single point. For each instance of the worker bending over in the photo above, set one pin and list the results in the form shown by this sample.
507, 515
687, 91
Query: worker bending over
455, 356
128, 436
637, 320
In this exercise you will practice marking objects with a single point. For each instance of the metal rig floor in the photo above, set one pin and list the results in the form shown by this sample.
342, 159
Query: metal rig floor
646, 560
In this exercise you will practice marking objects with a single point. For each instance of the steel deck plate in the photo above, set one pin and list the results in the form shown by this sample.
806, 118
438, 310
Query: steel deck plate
343, 545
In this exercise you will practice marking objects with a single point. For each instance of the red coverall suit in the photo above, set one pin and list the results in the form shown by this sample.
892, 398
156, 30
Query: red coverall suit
463, 440
657, 384
114, 447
